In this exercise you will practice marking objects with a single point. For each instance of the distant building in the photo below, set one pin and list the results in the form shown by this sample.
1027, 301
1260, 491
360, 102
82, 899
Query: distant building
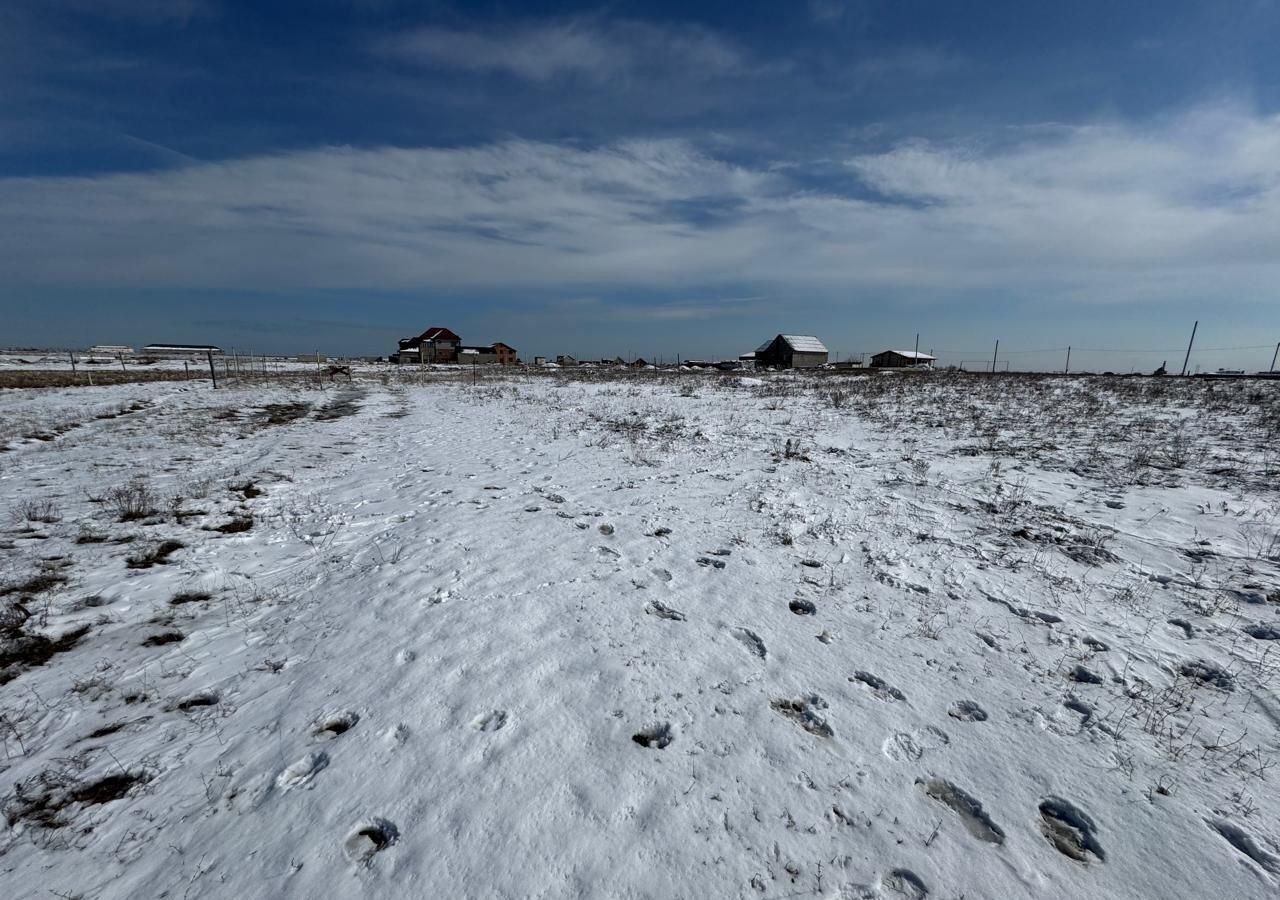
435, 345
505, 354
180, 350
792, 351
902, 359
565, 360
110, 350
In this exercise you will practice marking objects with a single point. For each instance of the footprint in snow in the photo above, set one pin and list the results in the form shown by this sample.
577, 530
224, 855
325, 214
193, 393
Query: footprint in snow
804, 712
904, 747
967, 711
404, 657
493, 720
1245, 843
1081, 675
1208, 673
1070, 830
752, 641
655, 735
334, 724
802, 607
880, 689
368, 839
905, 884
299, 773
972, 815
662, 611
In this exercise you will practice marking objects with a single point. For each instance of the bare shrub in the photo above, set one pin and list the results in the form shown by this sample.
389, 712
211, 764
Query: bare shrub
135, 500
45, 510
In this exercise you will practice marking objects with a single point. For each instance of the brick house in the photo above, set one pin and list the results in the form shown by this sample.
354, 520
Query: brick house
435, 345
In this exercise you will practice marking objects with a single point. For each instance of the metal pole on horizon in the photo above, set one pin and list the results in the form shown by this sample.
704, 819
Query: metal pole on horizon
915, 360
1273, 357
995, 356
1187, 359
1067, 367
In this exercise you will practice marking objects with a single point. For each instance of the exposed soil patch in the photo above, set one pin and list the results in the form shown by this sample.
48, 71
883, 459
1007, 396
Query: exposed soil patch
44, 800
20, 651
157, 555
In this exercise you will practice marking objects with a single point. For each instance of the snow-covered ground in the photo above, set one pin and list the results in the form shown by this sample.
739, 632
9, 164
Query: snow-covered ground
641, 636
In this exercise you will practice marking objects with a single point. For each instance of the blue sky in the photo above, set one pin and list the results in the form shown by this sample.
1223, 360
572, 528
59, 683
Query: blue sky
645, 178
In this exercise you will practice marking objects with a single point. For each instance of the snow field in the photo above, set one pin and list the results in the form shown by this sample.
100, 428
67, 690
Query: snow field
641, 637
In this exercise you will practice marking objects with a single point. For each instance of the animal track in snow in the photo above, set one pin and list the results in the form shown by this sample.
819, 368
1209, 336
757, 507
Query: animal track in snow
1187, 631
300, 772
751, 641
404, 657
880, 689
493, 720
1094, 644
662, 611
708, 561
804, 712
970, 811
802, 607
655, 735
967, 711
368, 839
905, 884
1263, 632
333, 724
1243, 841
1070, 830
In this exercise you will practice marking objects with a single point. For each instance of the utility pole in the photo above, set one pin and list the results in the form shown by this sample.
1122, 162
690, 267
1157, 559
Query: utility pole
995, 356
1190, 343
915, 360
1067, 367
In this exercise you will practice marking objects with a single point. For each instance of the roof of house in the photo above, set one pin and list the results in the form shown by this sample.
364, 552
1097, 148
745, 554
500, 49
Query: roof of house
181, 347
436, 333
804, 343
909, 354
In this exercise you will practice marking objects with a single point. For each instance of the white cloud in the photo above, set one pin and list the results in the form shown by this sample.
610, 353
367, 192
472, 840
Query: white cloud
587, 47
1187, 208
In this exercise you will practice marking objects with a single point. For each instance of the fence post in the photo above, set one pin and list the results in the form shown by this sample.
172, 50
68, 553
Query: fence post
1067, 367
213, 373
995, 356
120, 356
71, 356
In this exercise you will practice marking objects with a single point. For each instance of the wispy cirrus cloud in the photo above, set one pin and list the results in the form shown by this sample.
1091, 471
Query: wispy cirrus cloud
593, 48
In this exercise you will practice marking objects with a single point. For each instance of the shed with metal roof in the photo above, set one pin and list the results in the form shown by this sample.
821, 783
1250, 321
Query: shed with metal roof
792, 351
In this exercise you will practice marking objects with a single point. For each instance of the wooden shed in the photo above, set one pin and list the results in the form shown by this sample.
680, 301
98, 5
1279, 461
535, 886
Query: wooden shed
792, 351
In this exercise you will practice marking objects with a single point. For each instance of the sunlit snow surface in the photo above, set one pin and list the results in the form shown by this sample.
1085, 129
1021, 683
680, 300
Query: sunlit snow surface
646, 635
